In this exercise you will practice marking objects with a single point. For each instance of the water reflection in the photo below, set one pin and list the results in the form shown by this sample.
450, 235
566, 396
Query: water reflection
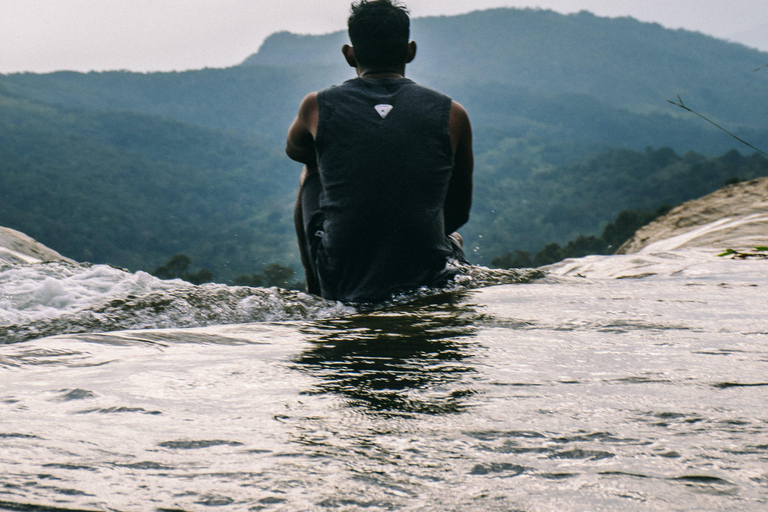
409, 358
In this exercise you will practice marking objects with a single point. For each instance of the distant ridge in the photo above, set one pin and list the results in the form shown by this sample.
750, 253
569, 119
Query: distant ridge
288, 49
621, 61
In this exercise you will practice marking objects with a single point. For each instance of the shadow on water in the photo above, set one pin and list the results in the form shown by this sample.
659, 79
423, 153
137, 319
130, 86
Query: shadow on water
404, 359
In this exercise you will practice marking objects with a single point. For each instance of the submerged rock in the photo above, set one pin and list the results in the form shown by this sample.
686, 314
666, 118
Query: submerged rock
16, 247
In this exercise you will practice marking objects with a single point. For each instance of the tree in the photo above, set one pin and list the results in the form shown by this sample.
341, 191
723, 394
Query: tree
614, 235
627, 223
584, 246
177, 268
278, 275
551, 253
253, 280
520, 259
273, 274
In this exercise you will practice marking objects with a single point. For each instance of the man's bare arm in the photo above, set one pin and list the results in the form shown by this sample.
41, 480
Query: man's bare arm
458, 200
300, 143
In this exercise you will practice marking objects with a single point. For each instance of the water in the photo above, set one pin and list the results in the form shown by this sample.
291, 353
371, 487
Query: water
639, 386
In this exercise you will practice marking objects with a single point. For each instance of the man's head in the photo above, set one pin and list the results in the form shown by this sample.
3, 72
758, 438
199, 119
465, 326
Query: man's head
379, 31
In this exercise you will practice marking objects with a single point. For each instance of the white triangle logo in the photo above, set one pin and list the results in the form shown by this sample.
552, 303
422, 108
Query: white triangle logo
383, 109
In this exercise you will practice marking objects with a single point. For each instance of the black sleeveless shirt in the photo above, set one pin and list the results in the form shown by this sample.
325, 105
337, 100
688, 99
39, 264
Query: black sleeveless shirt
385, 159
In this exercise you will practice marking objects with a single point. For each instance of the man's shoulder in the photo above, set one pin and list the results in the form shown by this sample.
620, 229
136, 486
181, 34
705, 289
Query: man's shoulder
427, 91
341, 86
308, 105
363, 83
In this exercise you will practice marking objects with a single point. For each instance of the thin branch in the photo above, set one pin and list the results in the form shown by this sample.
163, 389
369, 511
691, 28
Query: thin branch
761, 67
681, 105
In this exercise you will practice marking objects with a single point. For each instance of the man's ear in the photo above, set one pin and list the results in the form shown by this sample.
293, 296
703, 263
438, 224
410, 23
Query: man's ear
411, 52
349, 55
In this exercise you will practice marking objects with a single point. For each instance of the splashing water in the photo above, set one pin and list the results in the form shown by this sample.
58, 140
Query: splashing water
612, 383
54, 298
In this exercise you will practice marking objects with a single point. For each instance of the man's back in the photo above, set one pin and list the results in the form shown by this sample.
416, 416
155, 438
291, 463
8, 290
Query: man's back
385, 161
395, 169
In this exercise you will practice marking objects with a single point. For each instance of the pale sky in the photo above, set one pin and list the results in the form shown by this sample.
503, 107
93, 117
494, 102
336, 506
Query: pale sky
166, 35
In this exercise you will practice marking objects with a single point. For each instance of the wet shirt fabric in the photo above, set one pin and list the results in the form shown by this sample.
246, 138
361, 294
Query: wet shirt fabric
385, 160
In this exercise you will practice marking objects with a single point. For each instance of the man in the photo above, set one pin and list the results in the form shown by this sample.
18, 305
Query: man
388, 170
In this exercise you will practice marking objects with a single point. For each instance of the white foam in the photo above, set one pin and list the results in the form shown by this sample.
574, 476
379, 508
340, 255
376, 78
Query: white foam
43, 291
54, 298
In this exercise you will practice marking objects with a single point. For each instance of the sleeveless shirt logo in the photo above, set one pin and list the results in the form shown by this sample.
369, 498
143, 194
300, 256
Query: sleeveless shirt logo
383, 109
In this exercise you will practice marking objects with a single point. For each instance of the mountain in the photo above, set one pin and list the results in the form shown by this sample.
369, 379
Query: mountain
511, 68
620, 62
569, 113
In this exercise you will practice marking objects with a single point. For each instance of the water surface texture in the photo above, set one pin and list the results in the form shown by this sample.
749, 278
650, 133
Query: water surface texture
572, 392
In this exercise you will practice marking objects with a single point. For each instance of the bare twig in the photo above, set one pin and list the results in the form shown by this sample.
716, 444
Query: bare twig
681, 105
761, 67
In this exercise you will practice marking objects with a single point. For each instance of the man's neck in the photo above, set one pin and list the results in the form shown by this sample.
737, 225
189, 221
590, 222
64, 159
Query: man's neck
378, 74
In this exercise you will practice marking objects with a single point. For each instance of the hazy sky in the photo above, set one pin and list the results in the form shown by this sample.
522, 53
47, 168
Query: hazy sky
163, 35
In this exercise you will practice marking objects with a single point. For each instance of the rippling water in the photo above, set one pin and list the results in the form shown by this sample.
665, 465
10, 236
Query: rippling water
559, 394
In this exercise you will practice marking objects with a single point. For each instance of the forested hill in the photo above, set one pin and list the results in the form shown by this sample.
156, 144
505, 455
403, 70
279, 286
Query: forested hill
132, 189
519, 72
569, 114
621, 62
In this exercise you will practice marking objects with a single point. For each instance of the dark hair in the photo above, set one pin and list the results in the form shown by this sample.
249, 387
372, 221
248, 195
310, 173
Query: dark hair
379, 31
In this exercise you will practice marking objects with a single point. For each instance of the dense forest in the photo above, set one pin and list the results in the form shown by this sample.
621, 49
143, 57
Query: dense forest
569, 113
132, 190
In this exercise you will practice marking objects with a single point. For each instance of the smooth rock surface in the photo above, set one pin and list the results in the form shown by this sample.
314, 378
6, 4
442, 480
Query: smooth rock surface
734, 217
16, 247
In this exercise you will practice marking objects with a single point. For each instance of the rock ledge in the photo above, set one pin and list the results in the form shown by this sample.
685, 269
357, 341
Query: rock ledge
734, 217
16, 247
